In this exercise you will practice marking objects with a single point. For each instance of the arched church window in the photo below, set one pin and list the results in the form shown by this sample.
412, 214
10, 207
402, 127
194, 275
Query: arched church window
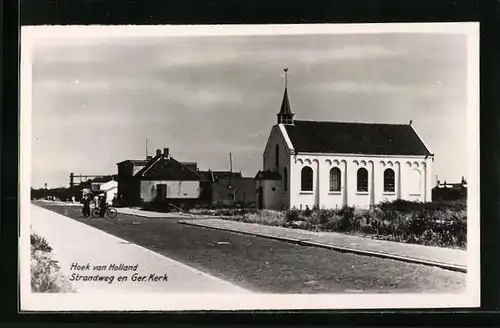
335, 179
277, 156
306, 181
389, 180
362, 179
285, 179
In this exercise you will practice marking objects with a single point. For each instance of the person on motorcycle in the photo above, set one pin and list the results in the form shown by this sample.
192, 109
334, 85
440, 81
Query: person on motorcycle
86, 206
102, 206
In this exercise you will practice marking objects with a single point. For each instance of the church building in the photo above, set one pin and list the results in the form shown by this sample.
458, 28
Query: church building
336, 164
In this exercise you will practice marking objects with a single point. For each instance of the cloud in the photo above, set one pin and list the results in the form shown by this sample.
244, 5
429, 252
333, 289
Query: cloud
209, 56
334, 53
199, 98
380, 88
95, 85
317, 54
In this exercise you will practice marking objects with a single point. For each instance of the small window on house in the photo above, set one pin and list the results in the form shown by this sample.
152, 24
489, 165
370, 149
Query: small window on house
306, 179
362, 180
389, 179
285, 179
277, 156
335, 179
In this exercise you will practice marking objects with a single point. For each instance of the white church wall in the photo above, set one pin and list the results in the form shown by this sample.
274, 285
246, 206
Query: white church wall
298, 197
409, 184
276, 138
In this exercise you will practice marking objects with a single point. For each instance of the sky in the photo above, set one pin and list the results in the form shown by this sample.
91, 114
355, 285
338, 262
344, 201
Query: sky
96, 101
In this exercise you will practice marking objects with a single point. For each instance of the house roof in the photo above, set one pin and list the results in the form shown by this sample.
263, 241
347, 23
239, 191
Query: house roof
103, 179
226, 174
193, 166
135, 161
355, 138
167, 168
448, 185
268, 175
216, 175
205, 175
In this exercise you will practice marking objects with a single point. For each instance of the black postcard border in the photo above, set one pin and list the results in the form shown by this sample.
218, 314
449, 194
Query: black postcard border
149, 12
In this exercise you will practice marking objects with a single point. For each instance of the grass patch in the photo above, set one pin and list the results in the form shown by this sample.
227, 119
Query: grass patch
442, 224
45, 272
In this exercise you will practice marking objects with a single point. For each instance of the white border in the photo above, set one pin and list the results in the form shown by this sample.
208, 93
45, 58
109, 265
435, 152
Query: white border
154, 302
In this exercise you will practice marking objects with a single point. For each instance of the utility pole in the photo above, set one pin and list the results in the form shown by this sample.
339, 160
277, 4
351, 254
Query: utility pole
230, 169
146, 148
230, 163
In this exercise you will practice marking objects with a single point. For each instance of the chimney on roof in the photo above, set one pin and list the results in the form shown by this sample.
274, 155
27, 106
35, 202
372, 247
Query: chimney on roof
165, 152
411, 122
158, 152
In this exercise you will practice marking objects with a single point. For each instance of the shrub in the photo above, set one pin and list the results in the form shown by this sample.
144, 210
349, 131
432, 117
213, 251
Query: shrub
307, 211
347, 218
267, 217
333, 223
293, 215
324, 216
436, 224
222, 211
40, 243
45, 272
408, 206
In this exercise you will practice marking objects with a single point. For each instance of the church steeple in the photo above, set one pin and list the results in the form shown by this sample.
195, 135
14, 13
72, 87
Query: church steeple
285, 116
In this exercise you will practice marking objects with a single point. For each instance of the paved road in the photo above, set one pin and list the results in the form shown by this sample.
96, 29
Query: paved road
91, 258
264, 265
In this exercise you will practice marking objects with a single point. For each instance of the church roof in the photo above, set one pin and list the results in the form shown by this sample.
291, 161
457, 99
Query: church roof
355, 138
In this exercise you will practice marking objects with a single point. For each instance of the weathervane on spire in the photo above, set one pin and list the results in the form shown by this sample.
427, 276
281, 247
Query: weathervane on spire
286, 77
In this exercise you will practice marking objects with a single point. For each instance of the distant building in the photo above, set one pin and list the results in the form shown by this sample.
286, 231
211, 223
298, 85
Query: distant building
110, 190
160, 182
128, 183
227, 188
163, 179
92, 186
336, 164
446, 191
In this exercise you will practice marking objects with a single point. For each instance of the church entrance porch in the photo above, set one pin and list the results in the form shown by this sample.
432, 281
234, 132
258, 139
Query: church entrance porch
268, 189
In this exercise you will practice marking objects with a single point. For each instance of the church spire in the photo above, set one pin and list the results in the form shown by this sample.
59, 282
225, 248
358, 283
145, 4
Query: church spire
285, 116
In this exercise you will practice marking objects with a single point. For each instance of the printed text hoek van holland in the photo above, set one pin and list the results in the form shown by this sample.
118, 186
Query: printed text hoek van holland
114, 267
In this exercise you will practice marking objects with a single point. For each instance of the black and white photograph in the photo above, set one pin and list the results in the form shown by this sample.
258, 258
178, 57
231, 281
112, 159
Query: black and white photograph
224, 167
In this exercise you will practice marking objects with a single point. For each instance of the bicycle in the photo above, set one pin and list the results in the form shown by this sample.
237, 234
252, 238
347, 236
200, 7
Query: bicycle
110, 211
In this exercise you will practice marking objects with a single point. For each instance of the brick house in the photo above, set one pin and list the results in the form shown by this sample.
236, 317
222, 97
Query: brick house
158, 182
